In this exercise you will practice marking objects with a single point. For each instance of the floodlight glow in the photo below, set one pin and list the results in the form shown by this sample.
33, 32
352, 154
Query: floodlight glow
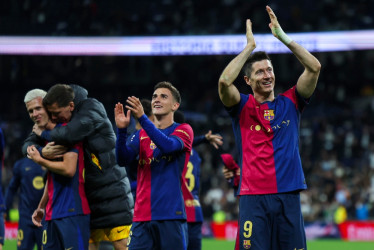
182, 45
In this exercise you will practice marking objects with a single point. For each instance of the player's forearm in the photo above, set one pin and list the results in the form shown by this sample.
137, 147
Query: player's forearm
124, 154
32, 139
197, 140
44, 200
309, 61
166, 144
59, 167
232, 70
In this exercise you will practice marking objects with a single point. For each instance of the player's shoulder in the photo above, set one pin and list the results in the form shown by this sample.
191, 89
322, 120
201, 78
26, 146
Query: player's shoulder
91, 107
23, 161
184, 128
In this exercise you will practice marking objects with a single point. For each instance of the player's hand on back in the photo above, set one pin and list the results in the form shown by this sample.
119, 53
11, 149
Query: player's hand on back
52, 151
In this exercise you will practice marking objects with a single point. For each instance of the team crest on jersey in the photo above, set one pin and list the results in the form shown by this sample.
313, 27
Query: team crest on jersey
246, 244
152, 145
269, 114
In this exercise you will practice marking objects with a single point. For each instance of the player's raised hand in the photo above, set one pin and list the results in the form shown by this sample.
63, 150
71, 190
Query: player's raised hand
276, 29
136, 107
214, 139
273, 20
122, 119
249, 34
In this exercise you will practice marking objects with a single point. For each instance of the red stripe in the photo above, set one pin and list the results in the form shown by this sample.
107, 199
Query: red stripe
48, 209
258, 167
142, 211
187, 195
82, 193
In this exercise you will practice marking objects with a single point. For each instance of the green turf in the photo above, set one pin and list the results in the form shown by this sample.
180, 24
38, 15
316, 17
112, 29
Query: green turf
212, 244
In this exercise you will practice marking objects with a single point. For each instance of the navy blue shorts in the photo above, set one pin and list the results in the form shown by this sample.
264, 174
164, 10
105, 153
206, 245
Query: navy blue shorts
271, 222
194, 235
157, 235
29, 235
67, 233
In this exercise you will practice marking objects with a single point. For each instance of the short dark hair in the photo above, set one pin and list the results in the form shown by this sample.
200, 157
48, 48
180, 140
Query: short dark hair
62, 94
254, 57
147, 107
172, 89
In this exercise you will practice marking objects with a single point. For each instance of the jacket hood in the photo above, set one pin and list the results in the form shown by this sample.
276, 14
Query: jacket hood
80, 93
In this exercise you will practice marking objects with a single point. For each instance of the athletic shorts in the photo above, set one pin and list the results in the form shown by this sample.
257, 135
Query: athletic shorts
110, 234
158, 235
271, 222
67, 233
194, 235
29, 235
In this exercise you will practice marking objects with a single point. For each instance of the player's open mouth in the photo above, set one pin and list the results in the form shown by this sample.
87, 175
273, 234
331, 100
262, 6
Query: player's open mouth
266, 83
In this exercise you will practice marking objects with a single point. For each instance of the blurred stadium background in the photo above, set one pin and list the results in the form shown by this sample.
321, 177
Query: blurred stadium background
337, 129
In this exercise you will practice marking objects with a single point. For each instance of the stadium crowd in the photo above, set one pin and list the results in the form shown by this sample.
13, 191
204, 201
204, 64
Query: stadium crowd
337, 129
166, 17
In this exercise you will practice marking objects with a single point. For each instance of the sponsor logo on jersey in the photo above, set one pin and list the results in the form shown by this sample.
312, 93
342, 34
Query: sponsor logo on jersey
192, 203
38, 183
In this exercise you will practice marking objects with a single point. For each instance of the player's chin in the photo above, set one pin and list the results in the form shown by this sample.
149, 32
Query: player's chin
158, 112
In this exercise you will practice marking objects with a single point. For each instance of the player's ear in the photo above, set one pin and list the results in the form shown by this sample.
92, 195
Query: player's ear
71, 106
247, 80
175, 106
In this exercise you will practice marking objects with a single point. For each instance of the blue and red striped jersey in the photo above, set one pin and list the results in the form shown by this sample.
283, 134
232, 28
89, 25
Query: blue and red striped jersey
159, 175
66, 195
267, 137
191, 188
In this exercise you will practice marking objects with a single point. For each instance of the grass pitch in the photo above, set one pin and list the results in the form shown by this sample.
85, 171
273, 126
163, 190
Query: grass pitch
213, 244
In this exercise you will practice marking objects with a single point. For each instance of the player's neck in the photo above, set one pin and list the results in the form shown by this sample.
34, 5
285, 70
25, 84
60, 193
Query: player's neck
260, 98
163, 121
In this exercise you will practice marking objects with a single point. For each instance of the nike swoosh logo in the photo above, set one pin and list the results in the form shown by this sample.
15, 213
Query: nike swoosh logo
27, 169
118, 231
143, 137
70, 248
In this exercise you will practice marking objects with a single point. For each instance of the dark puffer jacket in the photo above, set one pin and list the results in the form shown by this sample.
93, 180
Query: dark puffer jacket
107, 186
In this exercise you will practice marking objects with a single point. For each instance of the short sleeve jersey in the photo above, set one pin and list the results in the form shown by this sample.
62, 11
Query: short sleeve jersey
66, 195
159, 175
267, 137
191, 188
